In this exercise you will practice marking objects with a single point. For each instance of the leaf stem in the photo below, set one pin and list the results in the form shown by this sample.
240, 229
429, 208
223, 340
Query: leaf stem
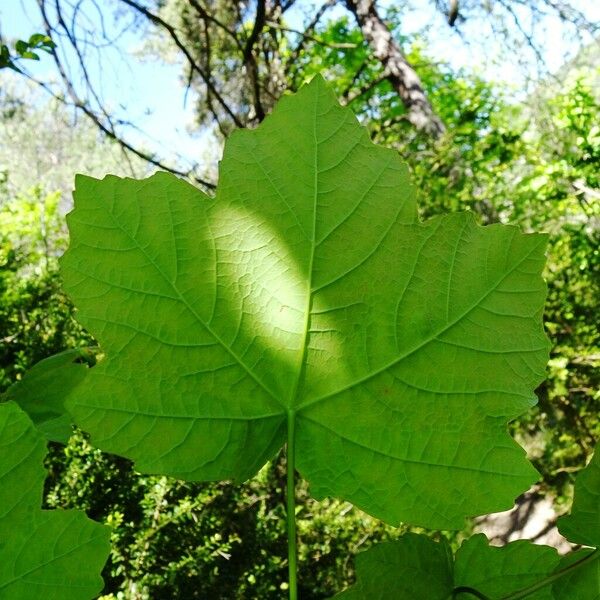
551, 578
291, 504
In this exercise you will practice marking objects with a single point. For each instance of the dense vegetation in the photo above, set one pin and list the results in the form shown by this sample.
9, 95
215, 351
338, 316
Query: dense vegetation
534, 163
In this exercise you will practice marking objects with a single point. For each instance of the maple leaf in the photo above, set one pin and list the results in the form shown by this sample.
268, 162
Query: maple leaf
307, 304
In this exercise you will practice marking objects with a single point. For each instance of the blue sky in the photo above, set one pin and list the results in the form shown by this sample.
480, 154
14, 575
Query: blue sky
150, 93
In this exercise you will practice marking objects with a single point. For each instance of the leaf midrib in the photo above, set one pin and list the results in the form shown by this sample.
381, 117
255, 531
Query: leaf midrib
309, 294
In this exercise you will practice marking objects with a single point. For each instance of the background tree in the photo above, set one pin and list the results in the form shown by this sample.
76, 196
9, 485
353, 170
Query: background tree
238, 57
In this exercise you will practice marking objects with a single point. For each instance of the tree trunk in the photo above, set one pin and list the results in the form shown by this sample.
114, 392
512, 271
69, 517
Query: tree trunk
399, 73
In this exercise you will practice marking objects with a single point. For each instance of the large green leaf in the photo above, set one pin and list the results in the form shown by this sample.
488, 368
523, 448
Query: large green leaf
49, 554
45, 387
308, 299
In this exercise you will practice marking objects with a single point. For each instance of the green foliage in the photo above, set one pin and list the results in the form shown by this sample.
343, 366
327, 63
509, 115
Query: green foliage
582, 526
35, 315
174, 539
518, 570
25, 49
413, 567
43, 554
225, 322
499, 572
530, 168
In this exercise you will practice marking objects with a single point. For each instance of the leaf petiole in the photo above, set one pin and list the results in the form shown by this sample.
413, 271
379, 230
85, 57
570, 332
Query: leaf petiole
291, 505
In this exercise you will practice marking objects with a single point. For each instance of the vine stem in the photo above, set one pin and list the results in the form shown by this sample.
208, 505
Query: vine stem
291, 505
464, 589
552, 578
536, 586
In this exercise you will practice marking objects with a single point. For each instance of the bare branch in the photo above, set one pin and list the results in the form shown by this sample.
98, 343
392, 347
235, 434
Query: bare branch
355, 78
367, 87
250, 60
108, 129
312, 38
453, 12
173, 34
206, 16
310, 27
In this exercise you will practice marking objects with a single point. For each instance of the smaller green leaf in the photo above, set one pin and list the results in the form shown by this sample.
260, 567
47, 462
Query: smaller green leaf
498, 571
30, 55
21, 47
582, 526
44, 554
38, 38
415, 567
582, 581
411, 568
44, 388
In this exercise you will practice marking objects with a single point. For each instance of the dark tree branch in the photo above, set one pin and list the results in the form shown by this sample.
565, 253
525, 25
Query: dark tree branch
173, 35
453, 12
519, 26
355, 78
310, 27
366, 88
207, 17
109, 129
400, 73
77, 103
250, 61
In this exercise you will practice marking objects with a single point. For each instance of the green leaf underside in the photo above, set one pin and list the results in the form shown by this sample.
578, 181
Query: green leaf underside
408, 568
43, 390
497, 572
49, 554
308, 287
413, 567
582, 583
582, 525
